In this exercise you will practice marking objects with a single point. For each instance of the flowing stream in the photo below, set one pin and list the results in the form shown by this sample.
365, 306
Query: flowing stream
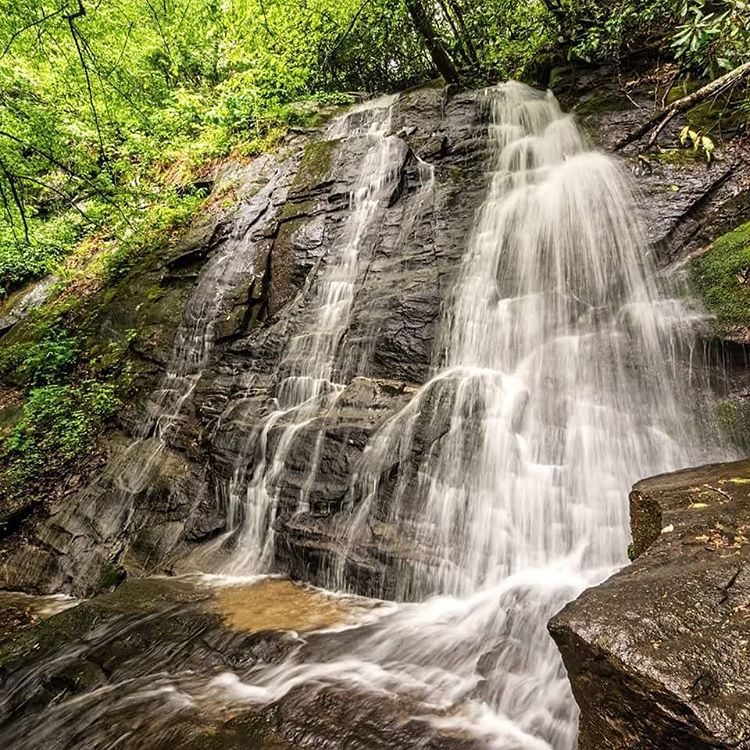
555, 386
307, 373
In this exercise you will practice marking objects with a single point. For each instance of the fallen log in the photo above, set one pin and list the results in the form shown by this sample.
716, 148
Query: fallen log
663, 116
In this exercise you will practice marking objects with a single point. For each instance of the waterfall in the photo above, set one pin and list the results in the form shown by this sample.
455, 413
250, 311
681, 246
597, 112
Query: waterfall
561, 374
551, 377
107, 503
307, 374
551, 394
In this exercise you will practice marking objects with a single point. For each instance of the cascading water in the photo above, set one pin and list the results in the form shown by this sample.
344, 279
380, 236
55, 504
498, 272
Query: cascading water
107, 503
551, 368
307, 372
554, 396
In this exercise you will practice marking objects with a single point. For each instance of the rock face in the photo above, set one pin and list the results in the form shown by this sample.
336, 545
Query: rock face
136, 666
658, 655
231, 296
215, 315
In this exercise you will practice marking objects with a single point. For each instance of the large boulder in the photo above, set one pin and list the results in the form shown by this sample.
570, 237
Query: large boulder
658, 655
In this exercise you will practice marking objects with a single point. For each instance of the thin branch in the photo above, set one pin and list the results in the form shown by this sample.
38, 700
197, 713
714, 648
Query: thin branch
457, 35
346, 33
106, 75
8, 212
269, 33
28, 26
67, 198
52, 160
657, 131
74, 33
160, 29
17, 199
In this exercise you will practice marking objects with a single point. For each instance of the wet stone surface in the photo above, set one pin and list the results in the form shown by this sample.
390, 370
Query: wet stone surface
136, 667
292, 210
658, 655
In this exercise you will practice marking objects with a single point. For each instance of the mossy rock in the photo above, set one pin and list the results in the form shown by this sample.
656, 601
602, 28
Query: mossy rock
315, 167
722, 276
601, 102
733, 419
680, 157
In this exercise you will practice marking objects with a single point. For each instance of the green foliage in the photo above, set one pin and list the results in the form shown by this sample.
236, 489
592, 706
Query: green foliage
71, 390
96, 106
722, 275
714, 37
108, 361
508, 36
597, 31
58, 424
50, 360
50, 240
701, 143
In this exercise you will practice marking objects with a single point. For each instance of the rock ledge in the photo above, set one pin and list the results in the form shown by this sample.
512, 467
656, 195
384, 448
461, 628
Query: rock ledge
659, 655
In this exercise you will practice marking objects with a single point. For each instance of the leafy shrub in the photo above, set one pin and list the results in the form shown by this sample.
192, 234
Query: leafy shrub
49, 360
714, 37
601, 31
50, 240
58, 424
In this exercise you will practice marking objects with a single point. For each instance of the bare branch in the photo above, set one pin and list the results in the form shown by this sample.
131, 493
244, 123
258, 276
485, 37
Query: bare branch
52, 160
17, 198
28, 26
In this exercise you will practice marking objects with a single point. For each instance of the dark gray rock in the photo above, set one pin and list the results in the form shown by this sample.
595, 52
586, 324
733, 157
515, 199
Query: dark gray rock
292, 208
658, 655
134, 666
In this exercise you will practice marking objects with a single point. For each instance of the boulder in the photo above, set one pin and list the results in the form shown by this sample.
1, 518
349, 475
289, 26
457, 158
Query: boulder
658, 655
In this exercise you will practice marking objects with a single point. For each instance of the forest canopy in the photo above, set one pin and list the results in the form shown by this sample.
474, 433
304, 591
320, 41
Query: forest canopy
110, 109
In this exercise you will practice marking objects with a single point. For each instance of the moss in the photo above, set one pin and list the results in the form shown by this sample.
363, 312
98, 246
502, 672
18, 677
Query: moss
292, 210
683, 88
315, 166
722, 276
605, 101
110, 577
9, 418
679, 157
733, 419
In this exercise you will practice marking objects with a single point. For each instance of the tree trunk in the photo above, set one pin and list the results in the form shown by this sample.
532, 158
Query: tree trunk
425, 29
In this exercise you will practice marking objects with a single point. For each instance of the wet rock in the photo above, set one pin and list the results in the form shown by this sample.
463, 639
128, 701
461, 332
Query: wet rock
686, 202
22, 302
146, 663
658, 654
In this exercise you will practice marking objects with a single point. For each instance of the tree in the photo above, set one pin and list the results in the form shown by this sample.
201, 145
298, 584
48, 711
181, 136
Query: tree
424, 27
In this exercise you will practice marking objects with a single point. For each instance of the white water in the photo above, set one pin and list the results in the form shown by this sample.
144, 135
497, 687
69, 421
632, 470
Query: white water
307, 373
136, 468
555, 387
555, 391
